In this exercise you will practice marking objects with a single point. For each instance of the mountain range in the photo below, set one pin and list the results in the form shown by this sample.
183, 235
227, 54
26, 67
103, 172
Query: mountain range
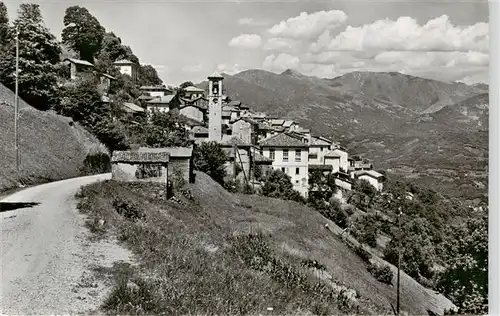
434, 132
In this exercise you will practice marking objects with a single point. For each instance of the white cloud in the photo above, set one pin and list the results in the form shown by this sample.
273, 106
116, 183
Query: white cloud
192, 68
280, 44
281, 62
230, 69
417, 60
405, 34
250, 22
308, 26
246, 41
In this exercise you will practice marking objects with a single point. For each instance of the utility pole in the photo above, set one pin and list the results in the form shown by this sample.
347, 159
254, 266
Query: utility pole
399, 259
16, 102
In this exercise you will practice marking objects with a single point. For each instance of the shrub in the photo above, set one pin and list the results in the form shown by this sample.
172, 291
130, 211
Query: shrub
128, 209
279, 185
381, 273
209, 157
336, 215
363, 254
95, 164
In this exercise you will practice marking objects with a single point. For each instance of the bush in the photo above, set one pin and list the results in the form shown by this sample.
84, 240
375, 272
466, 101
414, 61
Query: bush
336, 215
279, 185
381, 273
363, 254
128, 209
210, 158
96, 164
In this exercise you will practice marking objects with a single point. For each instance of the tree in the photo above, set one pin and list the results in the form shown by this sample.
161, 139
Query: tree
465, 279
186, 84
39, 53
111, 47
82, 102
165, 130
83, 32
4, 26
209, 157
279, 185
321, 188
417, 248
148, 76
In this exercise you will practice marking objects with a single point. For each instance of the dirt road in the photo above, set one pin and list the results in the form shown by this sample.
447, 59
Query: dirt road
44, 252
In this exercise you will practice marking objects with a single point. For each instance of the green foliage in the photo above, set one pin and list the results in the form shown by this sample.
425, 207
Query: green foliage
186, 84
321, 187
465, 280
365, 230
362, 195
209, 157
111, 48
381, 273
83, 32
362, 253
165, 130
82, 102
39, 52
4, 26
417, 248
148, 76
96, 164
128, 209
279, 185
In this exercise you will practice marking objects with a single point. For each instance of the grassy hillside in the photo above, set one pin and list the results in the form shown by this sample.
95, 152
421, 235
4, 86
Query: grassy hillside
51, 147
245, 250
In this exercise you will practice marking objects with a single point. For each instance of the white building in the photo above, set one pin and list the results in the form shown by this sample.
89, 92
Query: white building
290, 155
127, 67
373, 177
318, 147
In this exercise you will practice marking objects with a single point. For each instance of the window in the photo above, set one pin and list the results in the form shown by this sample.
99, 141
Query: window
271, 154
283, 169
321, 148
261, 152
297, 155
297, 171
285, 154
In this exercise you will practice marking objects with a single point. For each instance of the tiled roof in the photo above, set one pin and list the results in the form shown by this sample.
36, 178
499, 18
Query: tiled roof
215, 75
282, 140
162, 88
123, 62
164, 99
200, 130
334, 153
193, 89
277, 122
320, 167
371, 173
79, 62
184, 152
160, 156
228, 140
319, 141
262, 159
131, 107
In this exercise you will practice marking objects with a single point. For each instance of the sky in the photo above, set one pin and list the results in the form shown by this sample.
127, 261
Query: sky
188, 40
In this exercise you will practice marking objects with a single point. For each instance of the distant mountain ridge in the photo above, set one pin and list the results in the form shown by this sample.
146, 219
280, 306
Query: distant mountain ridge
347, 106
424, 129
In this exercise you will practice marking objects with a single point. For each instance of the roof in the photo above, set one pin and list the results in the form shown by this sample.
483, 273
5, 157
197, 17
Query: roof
335, 153
131, 107
162, 99
262, 159
107, 76
193, 89
79, 62
277, 122
282, 140
320, 141
226, 113
320, 167
246, 119
233, 140
173, 152
155, 88
189, 121
123, 62
215, 75
288, 123
135, 156
235, 103
370, 173
199, 130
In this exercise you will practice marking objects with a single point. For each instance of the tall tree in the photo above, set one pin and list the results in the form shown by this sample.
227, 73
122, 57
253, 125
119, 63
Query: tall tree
111, 47
4, 26
83, 32
39, 52
148, 76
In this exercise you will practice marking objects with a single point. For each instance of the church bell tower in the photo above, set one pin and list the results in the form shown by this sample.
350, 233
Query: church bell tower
215, 107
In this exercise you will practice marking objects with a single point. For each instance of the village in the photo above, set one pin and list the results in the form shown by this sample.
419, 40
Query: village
251, 140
